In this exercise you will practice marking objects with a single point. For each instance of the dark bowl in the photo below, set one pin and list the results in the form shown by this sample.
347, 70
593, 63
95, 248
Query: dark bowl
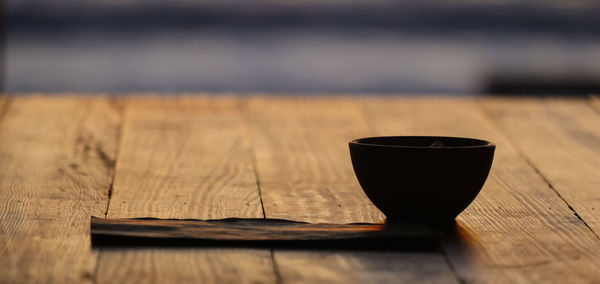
423, 179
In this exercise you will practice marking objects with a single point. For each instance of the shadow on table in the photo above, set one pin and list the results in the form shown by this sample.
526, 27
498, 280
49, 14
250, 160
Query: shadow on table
337, 260
310, 266
404, 245
459, 245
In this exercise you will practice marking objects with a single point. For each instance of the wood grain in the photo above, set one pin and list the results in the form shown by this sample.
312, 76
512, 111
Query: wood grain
184, 157
303, 161
561, 138
192, 157
56, 165
362, 267
517, 230
185, 265
305, 174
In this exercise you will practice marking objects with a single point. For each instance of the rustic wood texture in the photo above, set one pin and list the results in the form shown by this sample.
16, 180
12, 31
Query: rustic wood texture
305, 174
185, 265
56, 166
561, 139
303, 161
362, 267
209, 157
518, 230
184, 158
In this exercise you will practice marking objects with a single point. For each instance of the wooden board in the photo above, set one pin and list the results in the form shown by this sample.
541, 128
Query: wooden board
517, 230
185, 265
303, 161
561, 138
305, 174
362, 267
256, 232
56, 165
184, 158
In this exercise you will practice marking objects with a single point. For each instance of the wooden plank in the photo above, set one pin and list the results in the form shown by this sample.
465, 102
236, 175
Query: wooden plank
56, 165
561, 138
185, 265
184, 157
362, 267
266, 233
305, 174
517, 230
303, 161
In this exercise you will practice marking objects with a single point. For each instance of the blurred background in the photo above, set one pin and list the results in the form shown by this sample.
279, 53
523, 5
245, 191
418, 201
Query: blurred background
331, 46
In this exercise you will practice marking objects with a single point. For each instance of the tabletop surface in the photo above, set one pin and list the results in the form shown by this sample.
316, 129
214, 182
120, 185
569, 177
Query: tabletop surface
66, 158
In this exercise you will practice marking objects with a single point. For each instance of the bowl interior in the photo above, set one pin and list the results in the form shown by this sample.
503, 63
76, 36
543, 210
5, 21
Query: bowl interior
423, 142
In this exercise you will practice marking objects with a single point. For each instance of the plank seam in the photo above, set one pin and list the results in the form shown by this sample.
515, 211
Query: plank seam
487, 117
549, 184
371, 126
248, 134
459, 279
97, 267
253, 158
117, 150
278, 278
120, 109
246, 129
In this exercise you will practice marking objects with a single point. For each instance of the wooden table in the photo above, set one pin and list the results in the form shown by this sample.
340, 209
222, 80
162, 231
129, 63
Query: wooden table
66, 158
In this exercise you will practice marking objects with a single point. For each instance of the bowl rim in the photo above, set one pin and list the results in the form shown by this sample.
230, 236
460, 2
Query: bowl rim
484, 143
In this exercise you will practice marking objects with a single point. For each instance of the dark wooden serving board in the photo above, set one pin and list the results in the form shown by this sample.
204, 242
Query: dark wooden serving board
256, 232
